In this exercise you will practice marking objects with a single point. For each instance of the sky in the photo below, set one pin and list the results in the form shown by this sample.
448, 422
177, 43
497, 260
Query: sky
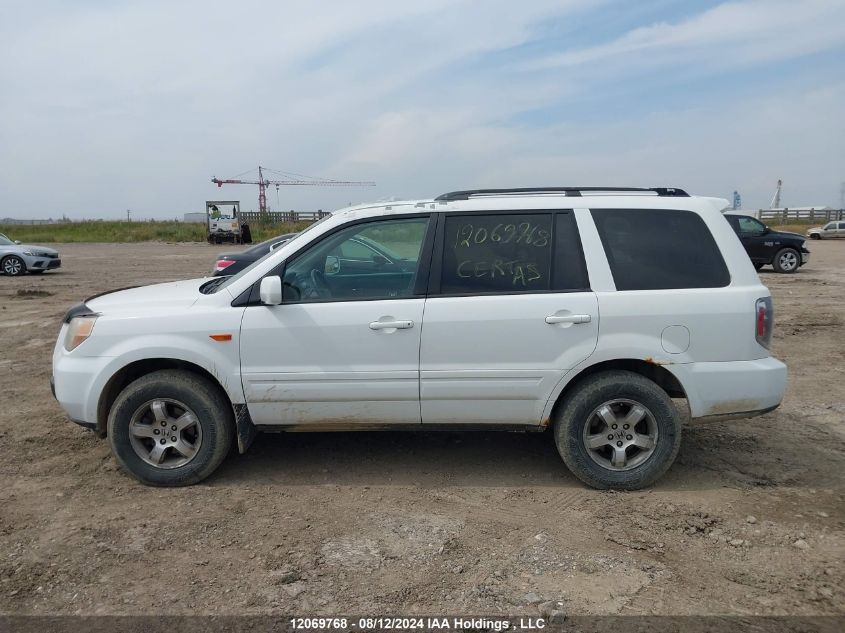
109, 105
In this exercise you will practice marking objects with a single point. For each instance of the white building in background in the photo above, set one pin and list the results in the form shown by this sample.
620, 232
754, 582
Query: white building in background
26, 222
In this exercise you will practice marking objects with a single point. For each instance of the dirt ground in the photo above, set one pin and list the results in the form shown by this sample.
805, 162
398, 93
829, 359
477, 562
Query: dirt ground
748, 521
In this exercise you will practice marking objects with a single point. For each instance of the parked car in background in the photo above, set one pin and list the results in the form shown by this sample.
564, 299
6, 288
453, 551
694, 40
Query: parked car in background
785, 252
559, 309
829, 230
233, 263
18, 259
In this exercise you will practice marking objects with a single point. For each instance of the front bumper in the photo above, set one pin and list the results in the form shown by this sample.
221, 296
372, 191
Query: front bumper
37, 262
805, 257
74, 385
86, 424
732, 389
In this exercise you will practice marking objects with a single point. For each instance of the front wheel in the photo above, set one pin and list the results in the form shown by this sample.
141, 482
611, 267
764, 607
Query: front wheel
786, 261
618, 429
171, 428
13, 266
815, 236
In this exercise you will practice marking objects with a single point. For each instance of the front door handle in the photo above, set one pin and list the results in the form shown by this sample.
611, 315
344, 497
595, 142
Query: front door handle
391, 325
568, 318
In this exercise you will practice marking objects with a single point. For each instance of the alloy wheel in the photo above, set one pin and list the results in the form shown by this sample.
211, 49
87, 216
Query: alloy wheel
12, 266
165, 433
788, 260
620, 434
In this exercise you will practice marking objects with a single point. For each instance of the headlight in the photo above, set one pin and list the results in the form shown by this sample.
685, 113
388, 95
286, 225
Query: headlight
30, 253
78, 331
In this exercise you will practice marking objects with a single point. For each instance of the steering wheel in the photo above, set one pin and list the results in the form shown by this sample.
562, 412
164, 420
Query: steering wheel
319, 284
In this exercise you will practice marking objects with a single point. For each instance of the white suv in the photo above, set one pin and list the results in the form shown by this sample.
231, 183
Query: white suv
582, 310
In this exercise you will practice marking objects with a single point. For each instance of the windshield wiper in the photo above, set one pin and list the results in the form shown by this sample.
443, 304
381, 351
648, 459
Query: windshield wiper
210, 286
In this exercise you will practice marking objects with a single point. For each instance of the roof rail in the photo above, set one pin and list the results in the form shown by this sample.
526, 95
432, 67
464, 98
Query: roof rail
567, 191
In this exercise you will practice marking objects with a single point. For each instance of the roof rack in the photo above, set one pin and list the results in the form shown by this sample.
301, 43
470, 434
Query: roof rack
567, 191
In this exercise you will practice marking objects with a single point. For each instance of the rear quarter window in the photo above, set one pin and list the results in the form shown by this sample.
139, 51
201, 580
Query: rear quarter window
660, 249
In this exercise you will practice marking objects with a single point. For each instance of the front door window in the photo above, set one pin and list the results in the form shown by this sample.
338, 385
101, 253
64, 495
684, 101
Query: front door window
374, 260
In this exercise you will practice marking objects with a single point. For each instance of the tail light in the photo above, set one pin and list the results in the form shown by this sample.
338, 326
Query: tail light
763, 321
222, 264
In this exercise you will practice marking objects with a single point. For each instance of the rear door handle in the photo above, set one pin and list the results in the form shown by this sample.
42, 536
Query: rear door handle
391, 325
568, 318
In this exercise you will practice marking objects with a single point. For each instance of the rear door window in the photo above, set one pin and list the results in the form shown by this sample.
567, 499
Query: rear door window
660, 249
511, 253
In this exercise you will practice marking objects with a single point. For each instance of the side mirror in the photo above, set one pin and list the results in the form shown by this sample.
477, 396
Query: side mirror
17, 241
379, 260
332, 266
271, 291
766, 230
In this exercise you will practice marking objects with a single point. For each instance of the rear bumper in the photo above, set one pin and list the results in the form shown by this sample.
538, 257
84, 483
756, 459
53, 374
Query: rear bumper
735, 389
741, 415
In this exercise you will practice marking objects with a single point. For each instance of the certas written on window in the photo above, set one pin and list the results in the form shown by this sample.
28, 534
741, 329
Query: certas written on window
660, 249
504, 253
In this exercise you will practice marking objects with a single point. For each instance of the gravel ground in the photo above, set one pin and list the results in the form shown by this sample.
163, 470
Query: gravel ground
748, 521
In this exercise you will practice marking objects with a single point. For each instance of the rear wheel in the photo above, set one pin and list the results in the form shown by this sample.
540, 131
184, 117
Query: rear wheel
13, 266
171, 428
786, 261
617, 429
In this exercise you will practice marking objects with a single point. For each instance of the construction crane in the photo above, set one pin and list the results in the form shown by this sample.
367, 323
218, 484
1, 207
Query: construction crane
776, 199
288, 178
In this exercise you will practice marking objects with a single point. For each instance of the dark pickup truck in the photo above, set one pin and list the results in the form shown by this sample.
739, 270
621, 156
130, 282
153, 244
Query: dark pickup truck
785, 252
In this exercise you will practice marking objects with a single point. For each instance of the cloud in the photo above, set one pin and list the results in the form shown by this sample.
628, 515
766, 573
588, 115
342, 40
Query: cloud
109, 106
706, 150
729, 35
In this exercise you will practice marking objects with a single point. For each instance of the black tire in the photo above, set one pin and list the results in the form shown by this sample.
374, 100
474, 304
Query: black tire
204, 398
758, 266
787, 261
13, 266
815, 236
576, 413
36, 272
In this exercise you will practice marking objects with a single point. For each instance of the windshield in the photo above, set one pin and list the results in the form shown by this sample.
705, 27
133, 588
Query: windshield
226, 281
5, 241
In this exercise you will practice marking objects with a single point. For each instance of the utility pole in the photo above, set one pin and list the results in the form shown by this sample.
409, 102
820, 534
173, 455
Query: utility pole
128, 213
